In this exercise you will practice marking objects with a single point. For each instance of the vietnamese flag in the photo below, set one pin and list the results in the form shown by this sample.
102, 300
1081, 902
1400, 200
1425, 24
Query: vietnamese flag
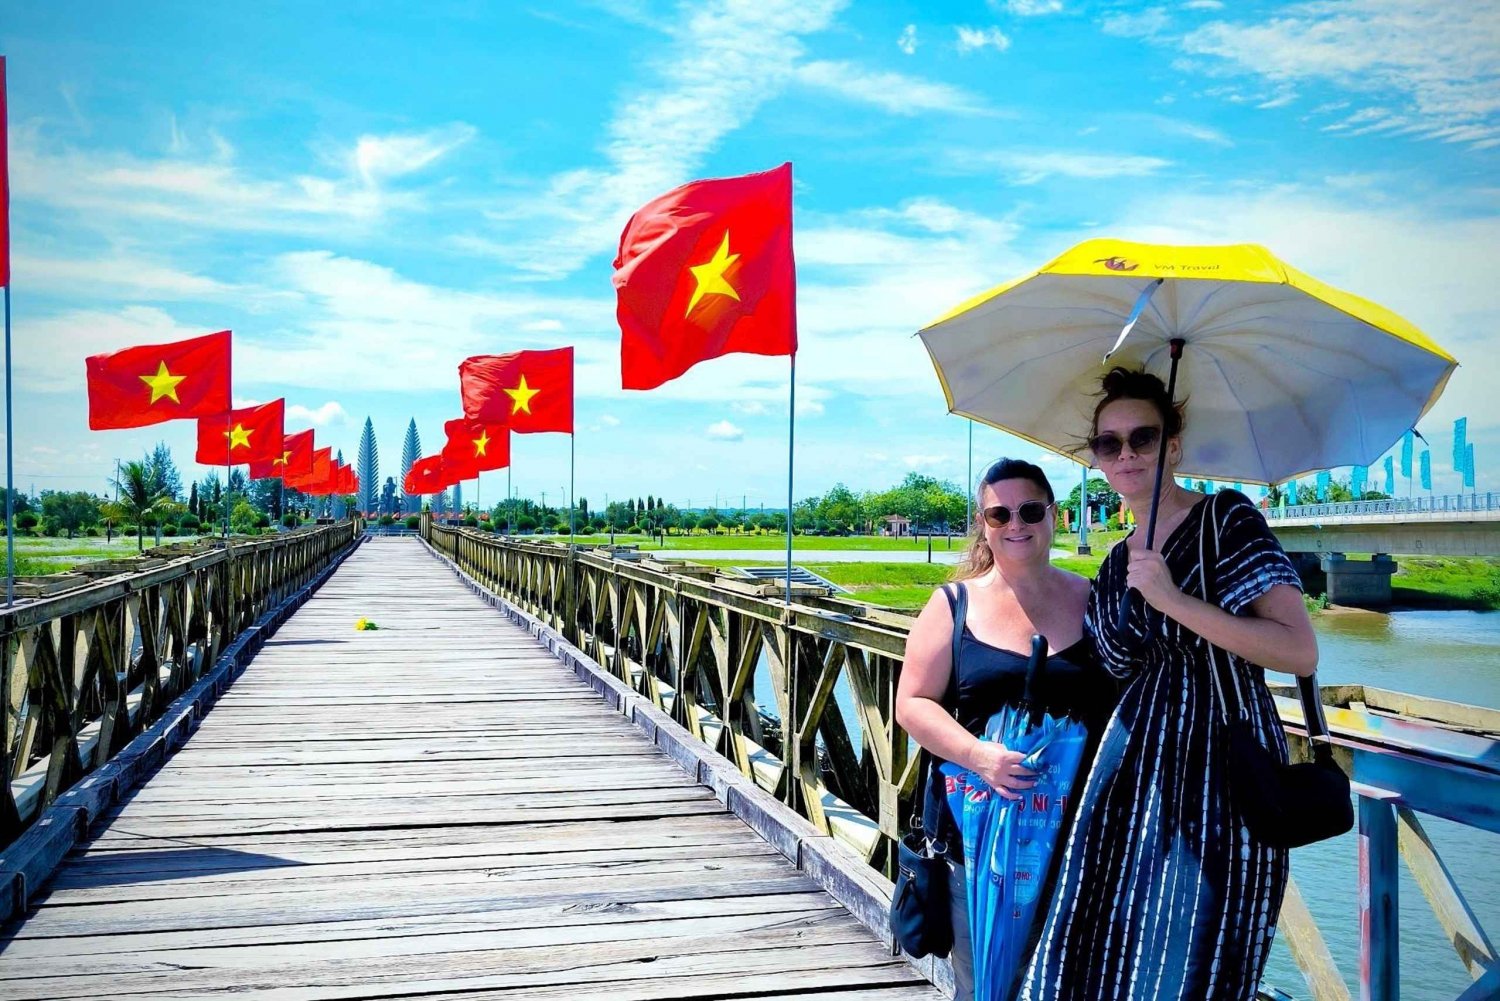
252, 434
474, 446
4, 184
527, 391
153, 383
706, 270
295, 458
425, 476
317, 475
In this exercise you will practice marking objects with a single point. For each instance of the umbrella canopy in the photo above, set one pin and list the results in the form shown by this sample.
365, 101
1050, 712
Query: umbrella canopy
1285, 374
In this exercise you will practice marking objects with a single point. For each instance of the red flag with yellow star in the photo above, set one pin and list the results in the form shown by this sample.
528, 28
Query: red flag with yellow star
153, 383
248, 435
706, 270
527, 391
425, 476
474, 446
314, 479
294, 460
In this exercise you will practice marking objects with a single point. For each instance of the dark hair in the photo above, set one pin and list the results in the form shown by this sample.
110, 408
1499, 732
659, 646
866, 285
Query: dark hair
1138, 384
979, 559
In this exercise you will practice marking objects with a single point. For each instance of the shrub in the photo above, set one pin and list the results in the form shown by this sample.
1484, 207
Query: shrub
413, 521
190, 523
289, 520
526, 523
92, 531
27, 520
172, 530
387, 519
263, 521
470, 521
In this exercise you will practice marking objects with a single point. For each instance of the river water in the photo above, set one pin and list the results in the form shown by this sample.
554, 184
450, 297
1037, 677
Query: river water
1453, 655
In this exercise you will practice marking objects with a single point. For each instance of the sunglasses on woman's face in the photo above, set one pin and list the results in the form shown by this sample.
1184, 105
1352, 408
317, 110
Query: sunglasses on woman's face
1030, 513
1108, 445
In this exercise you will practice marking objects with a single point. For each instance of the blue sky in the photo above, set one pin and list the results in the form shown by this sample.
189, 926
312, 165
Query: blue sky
365, 199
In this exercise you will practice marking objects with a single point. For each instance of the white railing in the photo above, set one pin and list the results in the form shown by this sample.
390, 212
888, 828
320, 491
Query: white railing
1391, 509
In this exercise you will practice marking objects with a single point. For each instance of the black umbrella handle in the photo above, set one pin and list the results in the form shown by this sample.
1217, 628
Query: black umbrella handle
1161, 470
1034, 668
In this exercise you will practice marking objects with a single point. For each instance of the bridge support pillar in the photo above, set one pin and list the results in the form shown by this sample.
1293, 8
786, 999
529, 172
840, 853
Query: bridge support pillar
1362, 583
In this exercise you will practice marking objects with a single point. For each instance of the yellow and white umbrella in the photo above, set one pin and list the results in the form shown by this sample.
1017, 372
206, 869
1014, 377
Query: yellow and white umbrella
1285, 375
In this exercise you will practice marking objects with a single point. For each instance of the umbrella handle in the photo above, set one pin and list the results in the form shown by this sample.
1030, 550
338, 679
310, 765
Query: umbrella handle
1034, 668
1177, 344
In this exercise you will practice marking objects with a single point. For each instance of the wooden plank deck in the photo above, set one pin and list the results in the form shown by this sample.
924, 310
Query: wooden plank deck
435, 809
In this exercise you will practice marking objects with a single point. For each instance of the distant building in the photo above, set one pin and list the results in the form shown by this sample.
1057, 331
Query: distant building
893, 525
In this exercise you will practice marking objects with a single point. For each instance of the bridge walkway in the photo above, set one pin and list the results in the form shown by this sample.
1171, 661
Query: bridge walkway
437, 808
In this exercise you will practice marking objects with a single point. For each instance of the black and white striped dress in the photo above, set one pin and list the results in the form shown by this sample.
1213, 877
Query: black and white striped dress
1163, 894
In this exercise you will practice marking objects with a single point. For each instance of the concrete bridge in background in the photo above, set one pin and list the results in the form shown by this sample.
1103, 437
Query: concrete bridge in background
1449, 525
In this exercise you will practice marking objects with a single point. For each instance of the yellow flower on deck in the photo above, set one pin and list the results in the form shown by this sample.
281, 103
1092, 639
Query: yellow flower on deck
364, 624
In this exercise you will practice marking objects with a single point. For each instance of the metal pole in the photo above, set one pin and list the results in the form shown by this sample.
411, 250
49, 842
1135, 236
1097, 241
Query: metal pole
10, 479
1083, 513
572, 494
510, 504
791, 430
969, 493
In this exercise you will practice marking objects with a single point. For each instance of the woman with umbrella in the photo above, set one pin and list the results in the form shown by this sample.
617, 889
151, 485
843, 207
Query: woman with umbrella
1162, 892
1011, 593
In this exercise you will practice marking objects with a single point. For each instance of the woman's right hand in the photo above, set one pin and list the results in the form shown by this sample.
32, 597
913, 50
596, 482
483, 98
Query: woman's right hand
1001, 769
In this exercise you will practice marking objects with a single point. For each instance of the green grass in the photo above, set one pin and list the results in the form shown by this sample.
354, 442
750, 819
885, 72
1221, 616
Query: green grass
1447, 582
44, 556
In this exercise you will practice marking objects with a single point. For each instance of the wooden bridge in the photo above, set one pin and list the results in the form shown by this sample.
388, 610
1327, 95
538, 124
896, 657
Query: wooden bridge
544, 775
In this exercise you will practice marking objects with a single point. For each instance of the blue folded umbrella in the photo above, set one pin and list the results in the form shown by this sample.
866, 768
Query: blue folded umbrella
1009, 844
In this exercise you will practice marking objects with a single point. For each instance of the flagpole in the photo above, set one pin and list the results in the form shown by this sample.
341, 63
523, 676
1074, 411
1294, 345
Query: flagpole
572, 489
791, 431
10, 484
228, 444
510, 504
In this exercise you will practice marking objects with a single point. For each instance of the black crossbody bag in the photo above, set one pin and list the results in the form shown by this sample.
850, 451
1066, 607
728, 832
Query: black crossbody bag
921, 922
1286, 806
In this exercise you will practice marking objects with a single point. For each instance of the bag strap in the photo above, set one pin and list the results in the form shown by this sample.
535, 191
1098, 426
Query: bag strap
958, 603
1307, 687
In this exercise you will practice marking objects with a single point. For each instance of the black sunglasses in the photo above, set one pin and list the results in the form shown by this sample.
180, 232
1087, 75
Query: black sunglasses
1108, 445
1030, 513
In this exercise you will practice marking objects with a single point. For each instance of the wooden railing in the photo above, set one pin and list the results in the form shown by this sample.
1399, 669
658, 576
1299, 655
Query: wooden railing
96, 658
696, 641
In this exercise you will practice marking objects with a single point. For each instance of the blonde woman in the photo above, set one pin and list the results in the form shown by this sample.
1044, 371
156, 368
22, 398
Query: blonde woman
1012, 593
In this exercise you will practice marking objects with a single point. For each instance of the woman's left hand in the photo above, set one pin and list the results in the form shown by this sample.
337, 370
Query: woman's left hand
1147, 572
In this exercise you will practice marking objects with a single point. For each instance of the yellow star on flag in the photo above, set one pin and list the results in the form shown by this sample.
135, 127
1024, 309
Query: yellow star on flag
281, 461
238, 437
521, 397
482, 442
710, 276
163, 384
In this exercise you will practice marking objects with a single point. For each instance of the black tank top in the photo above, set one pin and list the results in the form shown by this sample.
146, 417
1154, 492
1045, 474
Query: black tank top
989, 678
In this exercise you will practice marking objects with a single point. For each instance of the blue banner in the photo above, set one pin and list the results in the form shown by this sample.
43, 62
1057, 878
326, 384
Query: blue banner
1359, 477
1324, 479
1390, 476
1426, 469
1469, 466
1460, 444
1406, 449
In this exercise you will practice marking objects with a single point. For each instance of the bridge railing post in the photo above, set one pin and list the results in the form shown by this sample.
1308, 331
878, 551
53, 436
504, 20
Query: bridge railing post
1379, 915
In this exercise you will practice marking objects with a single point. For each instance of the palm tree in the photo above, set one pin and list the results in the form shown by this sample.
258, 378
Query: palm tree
138, 496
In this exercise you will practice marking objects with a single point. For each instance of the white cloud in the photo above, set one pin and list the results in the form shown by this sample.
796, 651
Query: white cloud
1031, 168
1203, 5
119, 276
1029, 8
924, 461
1426, 70
974, 39
722, 65
329, 413
609, 420
376, 158
896, 93
725, 431
908, 41
1192, 130
214, 194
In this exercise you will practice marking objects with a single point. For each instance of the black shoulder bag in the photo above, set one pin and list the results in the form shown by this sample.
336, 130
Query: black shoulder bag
1286, 806
921, 922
